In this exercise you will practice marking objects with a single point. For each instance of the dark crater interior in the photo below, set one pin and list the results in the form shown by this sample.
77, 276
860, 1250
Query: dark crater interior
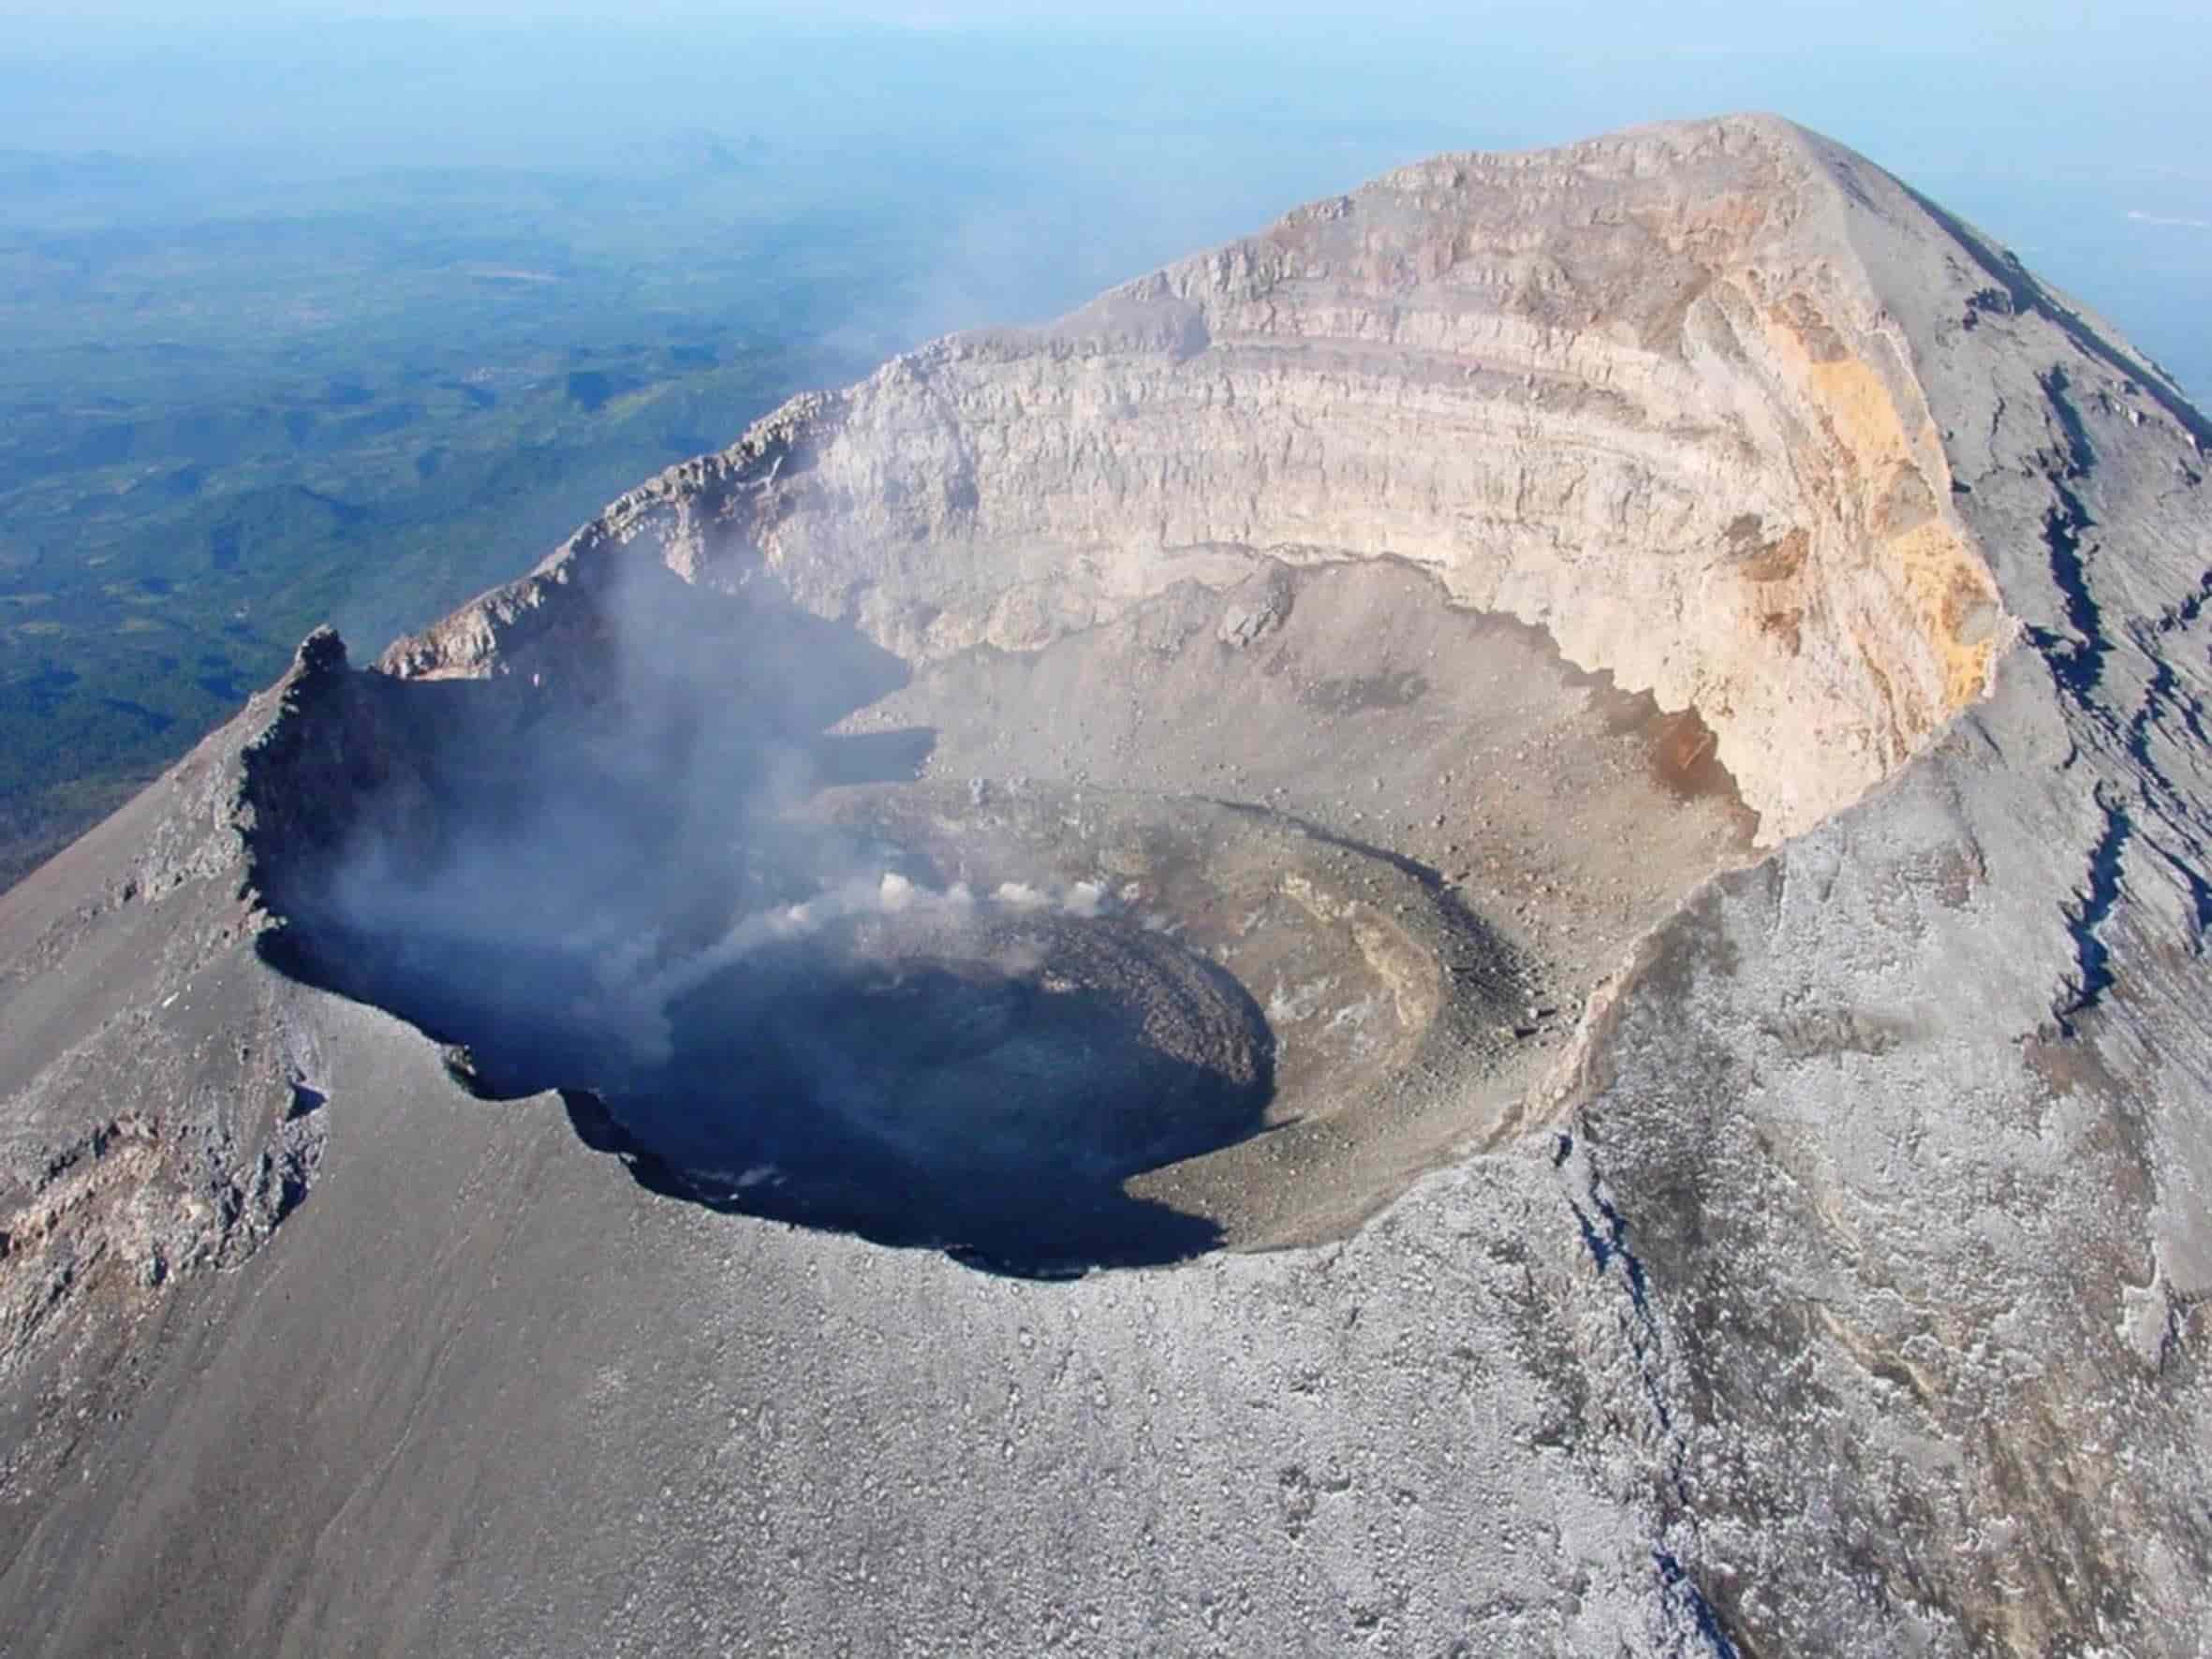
790, 1019
980, 1083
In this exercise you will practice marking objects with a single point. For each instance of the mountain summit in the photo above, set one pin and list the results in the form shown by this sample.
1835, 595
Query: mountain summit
1477, 925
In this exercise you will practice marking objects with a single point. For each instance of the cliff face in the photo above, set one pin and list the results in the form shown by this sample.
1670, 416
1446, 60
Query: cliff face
1821, 1269
1640, 393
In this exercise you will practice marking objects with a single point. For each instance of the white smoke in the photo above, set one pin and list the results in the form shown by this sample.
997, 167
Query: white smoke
640, 992
566, 866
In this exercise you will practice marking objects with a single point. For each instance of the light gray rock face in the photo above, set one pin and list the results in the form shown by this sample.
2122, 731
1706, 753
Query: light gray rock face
1821, 1269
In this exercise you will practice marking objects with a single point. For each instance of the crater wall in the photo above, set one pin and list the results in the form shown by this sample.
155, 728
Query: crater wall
1626, 391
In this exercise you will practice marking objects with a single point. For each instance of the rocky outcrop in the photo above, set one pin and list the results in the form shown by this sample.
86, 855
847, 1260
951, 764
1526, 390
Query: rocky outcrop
146, 1141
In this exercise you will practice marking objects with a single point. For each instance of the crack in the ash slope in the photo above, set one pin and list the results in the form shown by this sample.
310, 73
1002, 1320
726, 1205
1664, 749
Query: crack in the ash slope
2081, 455
2165, 691
2198, 889
2186, 611
2077, 664
2165, 803
2092, 907
1676, 1578
2077, 667
1605, 1235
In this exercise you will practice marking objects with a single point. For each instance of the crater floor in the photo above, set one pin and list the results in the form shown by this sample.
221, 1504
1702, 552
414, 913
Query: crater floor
1209, 927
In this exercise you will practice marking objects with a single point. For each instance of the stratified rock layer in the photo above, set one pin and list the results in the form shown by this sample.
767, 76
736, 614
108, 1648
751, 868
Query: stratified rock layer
1637, 397
1837, 1286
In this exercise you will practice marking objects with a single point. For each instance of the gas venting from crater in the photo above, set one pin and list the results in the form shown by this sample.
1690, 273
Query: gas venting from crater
780, 968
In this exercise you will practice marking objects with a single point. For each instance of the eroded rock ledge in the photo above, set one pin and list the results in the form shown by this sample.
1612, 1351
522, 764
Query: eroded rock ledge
1625, 390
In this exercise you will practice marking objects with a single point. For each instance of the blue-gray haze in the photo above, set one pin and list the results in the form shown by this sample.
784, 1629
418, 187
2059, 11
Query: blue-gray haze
1122, 135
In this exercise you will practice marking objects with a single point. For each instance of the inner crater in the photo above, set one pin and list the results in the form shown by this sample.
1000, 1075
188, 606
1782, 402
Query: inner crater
1211, 927
977, 1076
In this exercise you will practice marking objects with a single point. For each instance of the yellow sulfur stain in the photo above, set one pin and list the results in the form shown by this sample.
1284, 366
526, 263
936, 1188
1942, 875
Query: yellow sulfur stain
1951, 595
1860, 412
1945, 582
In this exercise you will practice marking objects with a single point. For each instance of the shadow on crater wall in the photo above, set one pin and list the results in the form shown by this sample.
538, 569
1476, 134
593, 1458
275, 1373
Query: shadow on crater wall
512, 867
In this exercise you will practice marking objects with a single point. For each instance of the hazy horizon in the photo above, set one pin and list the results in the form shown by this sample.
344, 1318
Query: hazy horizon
2070, 136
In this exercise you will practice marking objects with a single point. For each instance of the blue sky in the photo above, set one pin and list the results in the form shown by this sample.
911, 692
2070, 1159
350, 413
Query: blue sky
2034, 82
2077, 132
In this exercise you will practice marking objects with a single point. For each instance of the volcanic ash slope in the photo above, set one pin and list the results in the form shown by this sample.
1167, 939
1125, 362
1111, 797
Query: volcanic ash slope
1657, 688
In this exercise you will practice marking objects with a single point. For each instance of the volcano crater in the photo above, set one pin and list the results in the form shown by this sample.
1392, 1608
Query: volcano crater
1099, 955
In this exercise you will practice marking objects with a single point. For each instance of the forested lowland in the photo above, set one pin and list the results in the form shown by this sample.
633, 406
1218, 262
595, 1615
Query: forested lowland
231, 411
